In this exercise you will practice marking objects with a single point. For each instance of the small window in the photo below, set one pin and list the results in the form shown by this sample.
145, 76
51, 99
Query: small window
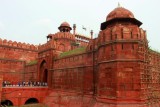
133, 46
111, 37
122, 33
115, 36
131, 34
112, 48
122, 46
90, 47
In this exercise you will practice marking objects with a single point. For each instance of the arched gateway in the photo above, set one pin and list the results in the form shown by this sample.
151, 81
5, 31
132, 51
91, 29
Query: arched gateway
6, 103
43, 72
45, 75
32, 101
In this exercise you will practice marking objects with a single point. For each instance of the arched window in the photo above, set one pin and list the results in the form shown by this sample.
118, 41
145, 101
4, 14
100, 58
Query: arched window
63, 30
67, 30
43, 71
32, 101
6, 103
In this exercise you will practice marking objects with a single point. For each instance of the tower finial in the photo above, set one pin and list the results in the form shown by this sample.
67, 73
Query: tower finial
119, 4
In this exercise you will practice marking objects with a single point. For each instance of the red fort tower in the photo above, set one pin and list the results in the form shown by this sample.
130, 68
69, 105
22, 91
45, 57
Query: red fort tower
116, 69
120, 58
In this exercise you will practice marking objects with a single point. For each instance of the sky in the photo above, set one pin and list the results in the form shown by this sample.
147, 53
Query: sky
30, 21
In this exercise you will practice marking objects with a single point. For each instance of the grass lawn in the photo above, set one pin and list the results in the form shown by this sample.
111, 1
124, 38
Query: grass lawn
73, 52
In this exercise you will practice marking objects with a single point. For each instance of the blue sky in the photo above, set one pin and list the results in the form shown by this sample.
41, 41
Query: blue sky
31, 21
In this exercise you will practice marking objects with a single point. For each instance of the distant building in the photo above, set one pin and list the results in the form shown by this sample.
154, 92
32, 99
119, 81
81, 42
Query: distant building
116, 69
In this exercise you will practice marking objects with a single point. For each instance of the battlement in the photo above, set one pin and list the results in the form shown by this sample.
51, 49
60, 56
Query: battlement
19, 45
63, 35
53, 43
46, 46
68, 35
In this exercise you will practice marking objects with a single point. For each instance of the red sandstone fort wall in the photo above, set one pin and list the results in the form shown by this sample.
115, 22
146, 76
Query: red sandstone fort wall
30, 73
74, 73
18, 51
153, 76
19, 95
74, 60
13, 57
12, 70
48, 45
118, 59
116, 70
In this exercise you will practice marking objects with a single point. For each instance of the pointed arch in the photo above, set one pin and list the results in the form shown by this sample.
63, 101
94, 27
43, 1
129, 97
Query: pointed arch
43, 64
43, 71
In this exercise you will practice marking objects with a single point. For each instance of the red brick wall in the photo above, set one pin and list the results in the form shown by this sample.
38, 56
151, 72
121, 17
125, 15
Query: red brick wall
118, 60
31, 73
153, 76
19, 95
116, 68
12, 70
74, 73
18, 51
1, 82
13, 57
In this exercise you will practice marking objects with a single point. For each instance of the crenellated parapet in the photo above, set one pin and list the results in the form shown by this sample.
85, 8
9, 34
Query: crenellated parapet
17, 45
49, 45
78, 38
122, 33
65, 41
64, 35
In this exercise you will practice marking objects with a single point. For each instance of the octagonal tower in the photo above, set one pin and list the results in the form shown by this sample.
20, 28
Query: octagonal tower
121, 57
